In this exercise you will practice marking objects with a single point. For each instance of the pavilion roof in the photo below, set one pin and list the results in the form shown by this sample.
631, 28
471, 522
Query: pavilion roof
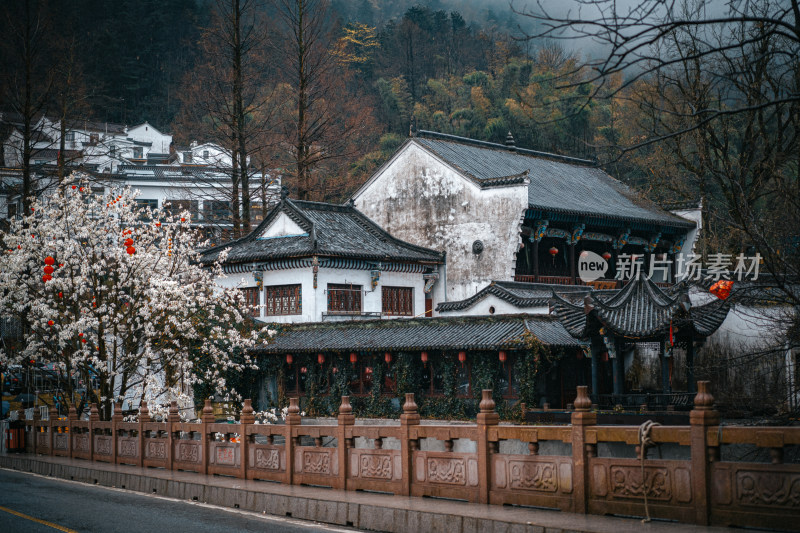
641, 311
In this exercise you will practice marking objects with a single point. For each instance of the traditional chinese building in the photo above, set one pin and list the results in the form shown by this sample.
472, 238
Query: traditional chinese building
314, 262
504, 213
614, 321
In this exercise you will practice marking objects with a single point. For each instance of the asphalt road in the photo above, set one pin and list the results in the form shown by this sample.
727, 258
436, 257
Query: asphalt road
36, 504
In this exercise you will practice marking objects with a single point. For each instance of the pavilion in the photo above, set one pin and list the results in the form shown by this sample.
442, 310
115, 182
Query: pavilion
611, 320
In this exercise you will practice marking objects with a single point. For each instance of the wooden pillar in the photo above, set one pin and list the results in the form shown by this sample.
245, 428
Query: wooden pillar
665, 388
52, 419
535, 260
618, 369
572, 262
487, 417
72, 416
690, 384
596, 354
408, 442
581, 418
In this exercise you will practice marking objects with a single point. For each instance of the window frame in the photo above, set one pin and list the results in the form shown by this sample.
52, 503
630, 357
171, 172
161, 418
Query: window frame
270, 293
345, 293
255, 308
394, 295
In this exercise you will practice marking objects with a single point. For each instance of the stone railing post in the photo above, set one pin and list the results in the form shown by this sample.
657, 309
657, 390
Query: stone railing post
144, 417
701, 417
172, 434
206, 418
582, 417
246, 418
408, 446
345, 419
72, 416
94, 417
292, 419
52, 417
487, 417
116, 420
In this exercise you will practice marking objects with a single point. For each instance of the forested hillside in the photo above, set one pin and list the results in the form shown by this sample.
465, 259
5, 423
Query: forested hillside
324, 106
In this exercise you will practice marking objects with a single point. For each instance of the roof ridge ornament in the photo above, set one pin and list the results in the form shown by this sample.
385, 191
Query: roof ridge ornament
510, 142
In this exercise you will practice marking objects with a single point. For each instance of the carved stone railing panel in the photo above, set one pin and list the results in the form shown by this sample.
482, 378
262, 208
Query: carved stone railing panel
61, 442
103, 445
155, 449
80, 444
223, 456
375, 469
542, 481
316, 461
127, 448
757, 495
267, 457
617, 486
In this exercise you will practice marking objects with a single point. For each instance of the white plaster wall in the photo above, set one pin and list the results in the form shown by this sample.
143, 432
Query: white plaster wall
501, 307
419, 199
147, 133
695, 215
315, 301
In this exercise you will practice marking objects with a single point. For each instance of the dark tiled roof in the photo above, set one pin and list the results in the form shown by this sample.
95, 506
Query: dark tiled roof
640, 311
516, 293
557, 183
331, 231
443, 333
170, 172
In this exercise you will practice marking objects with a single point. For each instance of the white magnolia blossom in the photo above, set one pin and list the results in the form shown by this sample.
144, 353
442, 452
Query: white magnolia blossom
139, 316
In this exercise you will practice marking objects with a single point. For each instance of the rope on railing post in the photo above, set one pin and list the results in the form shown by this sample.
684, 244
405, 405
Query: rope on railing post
645, 441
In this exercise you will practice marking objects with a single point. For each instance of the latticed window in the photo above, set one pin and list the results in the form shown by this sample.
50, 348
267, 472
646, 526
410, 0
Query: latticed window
344, 298
283, 300
251, 300
398, 301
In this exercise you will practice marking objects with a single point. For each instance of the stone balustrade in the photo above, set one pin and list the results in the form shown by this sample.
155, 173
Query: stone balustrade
698, 488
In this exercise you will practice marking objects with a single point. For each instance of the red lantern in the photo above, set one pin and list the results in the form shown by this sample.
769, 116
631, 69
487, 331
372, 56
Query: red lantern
502, 355
183, 219
353, 357
83, 340
60, 294
424, 357
721, 289
46, 278
50, 322
462, 356
80, 334
289, 359
131, 250
320, 358
49, 260
387, 357
128, 242
554, 251
303, 370
48, 269
607, 256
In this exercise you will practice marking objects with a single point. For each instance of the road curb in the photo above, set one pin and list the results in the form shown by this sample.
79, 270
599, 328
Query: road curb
371, 511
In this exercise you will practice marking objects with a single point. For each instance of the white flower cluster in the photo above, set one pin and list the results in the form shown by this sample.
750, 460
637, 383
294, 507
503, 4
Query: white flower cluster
114, 296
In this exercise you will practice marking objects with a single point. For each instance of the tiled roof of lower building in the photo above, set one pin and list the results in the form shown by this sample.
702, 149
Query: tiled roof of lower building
441, 333
516, 293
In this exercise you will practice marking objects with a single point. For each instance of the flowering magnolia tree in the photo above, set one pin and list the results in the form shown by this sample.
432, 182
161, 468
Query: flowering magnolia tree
111, 294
